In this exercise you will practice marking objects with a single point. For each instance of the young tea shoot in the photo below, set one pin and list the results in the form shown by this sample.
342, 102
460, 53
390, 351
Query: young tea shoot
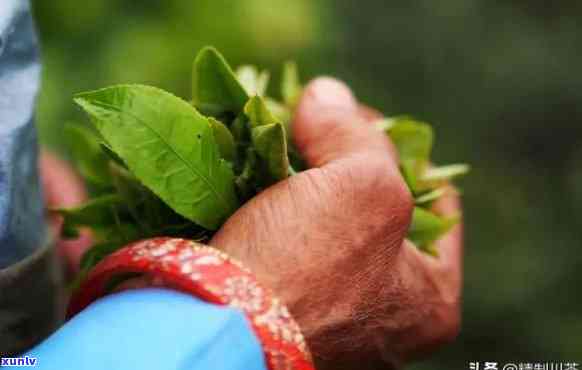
163, 166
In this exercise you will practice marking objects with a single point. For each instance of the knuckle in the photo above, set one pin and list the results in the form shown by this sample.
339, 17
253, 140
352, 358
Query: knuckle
381, 193
369, 184
393, 196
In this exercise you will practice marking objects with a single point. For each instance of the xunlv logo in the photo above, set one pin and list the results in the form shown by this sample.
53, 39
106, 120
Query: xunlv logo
18, 361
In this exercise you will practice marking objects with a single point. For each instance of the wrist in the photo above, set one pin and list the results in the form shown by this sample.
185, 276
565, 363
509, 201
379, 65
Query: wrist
209, 275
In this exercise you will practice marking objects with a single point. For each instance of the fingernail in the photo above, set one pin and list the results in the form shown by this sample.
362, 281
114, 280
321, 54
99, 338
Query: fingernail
327, 92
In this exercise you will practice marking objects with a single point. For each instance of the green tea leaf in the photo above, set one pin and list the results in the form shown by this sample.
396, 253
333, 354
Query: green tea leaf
290, 87
430, 196
99, 213
385, 124
427, 227
269, 140
413, 140
224, 139
240, 129
407, 169
438, 176
258, 113
168, 146
86, 151
245, 182
253, 81
282, 114
279, 111
134, 194
270, 143
215, 87
177, 173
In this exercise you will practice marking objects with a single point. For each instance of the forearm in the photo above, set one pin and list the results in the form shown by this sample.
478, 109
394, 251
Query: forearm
152, 329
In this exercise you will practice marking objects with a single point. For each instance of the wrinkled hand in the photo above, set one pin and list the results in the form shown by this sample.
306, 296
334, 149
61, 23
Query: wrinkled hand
331, 243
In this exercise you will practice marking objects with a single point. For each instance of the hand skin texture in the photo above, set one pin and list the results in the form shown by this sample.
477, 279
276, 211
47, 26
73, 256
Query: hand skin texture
331, 243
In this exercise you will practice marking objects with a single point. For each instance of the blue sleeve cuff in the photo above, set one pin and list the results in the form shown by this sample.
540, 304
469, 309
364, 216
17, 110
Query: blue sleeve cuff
152, 329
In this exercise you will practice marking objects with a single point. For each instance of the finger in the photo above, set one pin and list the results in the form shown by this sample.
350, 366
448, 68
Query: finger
447, 267
63, 188
440, 278
328, 125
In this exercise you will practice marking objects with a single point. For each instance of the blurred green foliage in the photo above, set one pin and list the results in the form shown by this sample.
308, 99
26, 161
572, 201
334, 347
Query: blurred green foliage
154, 42
499, 79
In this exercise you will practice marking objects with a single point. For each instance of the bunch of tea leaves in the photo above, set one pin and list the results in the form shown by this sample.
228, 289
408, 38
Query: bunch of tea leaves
167, 167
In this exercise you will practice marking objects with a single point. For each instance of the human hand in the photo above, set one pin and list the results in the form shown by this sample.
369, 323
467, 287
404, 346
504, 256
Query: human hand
331, 243
63, 188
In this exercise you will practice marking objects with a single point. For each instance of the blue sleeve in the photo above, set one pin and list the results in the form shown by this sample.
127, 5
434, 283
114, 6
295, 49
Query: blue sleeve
22, 229
151, 329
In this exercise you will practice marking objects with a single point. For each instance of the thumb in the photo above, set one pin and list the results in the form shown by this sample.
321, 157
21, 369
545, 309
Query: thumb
328, 125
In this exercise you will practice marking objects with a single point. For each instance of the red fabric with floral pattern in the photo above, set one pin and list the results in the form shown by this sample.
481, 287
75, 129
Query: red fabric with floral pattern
212, 276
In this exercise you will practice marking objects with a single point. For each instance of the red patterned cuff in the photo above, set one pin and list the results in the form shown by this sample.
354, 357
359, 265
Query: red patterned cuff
212, 276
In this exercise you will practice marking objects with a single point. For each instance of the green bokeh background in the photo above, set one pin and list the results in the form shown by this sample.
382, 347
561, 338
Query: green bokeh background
499, 80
